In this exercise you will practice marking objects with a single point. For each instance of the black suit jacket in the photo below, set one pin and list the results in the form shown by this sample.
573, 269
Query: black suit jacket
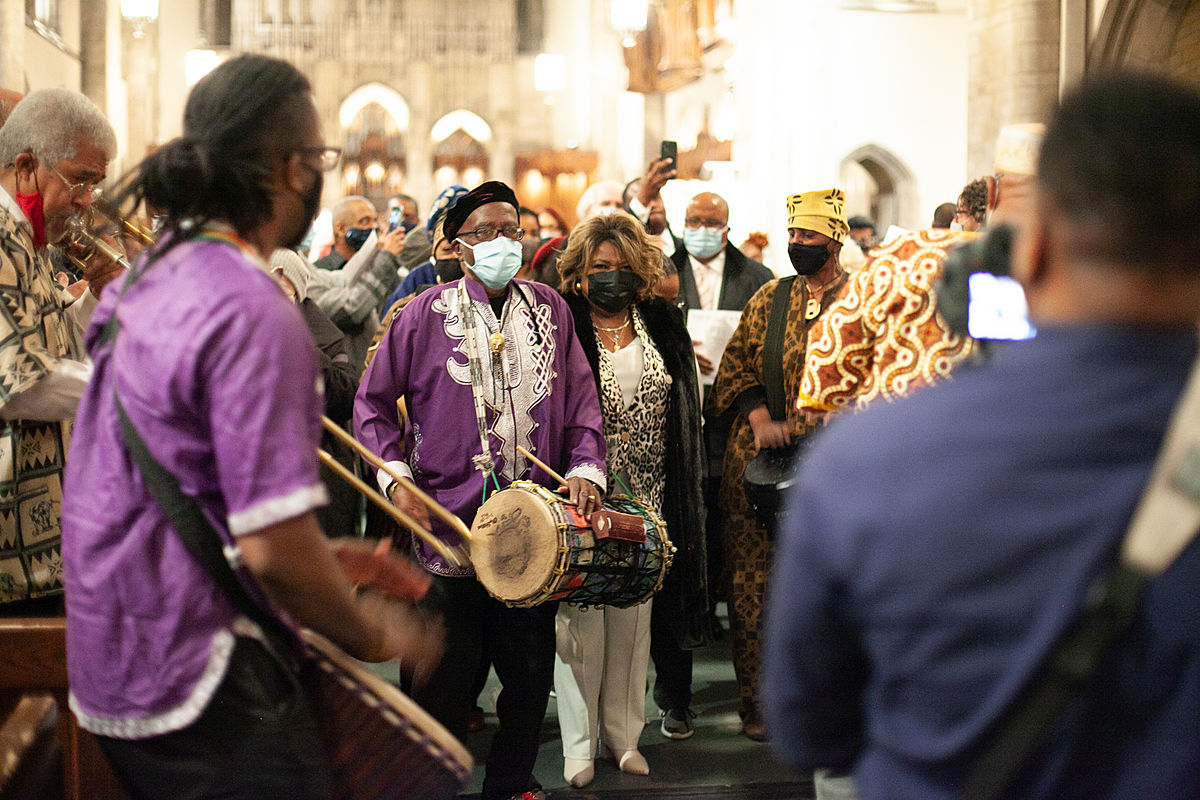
740, 279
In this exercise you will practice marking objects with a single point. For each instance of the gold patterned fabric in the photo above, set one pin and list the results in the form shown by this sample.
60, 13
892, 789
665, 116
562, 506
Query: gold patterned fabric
34, 335
883, 337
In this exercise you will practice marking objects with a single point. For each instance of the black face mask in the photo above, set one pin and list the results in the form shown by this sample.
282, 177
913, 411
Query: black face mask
448, 269
807, 259
614, 290
312, 204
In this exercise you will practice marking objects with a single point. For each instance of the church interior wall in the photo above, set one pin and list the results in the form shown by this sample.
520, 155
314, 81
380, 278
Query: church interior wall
904, 89
48, 61
815, 83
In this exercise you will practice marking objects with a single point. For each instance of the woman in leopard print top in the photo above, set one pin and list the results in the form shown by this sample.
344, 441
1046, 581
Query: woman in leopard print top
641, 356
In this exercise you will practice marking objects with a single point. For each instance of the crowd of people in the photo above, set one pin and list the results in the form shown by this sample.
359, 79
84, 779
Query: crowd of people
885, 611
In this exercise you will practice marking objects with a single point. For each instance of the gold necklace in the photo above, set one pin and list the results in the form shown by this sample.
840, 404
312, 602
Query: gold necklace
620, 327
813, 307
615, 333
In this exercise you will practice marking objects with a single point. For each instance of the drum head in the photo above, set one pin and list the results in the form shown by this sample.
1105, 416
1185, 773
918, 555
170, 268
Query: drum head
515, 543
771, 468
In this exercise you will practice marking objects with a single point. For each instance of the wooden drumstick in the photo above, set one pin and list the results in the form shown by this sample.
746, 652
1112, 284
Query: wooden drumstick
545, 467
451, 554
446, 515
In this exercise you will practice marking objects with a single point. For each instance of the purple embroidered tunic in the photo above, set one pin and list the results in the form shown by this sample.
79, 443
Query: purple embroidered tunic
217, 372
539, 393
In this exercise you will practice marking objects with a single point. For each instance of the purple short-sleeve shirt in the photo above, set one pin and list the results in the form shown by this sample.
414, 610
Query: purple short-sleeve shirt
216, 370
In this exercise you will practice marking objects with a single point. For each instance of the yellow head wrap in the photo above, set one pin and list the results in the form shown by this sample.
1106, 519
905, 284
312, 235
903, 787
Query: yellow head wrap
822, 211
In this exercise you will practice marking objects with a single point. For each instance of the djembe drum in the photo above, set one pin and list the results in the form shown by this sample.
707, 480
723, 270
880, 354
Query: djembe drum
530, 546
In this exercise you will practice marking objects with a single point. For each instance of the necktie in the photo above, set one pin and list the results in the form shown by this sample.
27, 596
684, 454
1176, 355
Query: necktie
704, 284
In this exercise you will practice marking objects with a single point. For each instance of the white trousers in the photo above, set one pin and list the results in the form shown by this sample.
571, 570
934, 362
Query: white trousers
600, 677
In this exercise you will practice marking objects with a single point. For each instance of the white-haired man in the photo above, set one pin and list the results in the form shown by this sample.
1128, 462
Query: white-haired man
54, 153
603, 197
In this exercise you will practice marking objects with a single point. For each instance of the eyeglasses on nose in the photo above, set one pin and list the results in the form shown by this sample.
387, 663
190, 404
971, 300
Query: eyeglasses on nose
327, 157
77, 190
485, 233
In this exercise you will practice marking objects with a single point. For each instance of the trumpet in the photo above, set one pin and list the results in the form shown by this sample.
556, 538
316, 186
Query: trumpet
83, 240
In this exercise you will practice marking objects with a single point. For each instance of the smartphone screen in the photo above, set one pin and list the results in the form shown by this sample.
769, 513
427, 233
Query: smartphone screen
670, 150
394, 218
997, 308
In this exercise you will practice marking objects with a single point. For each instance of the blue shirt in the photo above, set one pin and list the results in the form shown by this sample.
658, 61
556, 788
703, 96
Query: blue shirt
934, 550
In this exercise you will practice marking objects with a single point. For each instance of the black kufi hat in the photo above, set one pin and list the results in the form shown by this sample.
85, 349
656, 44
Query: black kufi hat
481, 195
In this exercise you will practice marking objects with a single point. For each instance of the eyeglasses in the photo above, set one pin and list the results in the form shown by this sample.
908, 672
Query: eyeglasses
77, 190
485, 233
327, 157
697, 222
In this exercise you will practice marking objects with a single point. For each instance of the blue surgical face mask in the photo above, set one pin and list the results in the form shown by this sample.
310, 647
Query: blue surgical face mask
357, 237
703, 242
496, 262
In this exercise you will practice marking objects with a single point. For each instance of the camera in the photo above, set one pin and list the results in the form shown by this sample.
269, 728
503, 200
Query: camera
977, 296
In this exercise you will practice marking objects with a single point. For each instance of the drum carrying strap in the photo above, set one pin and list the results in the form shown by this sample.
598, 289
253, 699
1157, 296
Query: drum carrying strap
1166, 520
773, 348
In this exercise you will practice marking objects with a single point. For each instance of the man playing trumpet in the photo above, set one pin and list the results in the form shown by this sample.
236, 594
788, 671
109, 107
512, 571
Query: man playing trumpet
54, 153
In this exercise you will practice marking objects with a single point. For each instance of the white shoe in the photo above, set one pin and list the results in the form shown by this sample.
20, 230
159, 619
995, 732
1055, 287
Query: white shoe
632, 762
578, 771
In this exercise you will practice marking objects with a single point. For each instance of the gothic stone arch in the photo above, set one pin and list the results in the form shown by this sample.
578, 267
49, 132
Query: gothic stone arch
895, 201
1158, 35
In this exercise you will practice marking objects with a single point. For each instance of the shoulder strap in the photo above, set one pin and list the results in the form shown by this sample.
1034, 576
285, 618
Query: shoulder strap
773, 348
198, 535
1167, 519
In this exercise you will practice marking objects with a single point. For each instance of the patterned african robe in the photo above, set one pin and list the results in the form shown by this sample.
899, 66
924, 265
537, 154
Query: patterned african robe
741, 370
34, 334
883, 336
747, 547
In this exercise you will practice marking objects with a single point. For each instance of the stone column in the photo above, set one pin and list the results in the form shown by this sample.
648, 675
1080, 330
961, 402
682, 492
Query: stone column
12, 46
93, 52
1012, 70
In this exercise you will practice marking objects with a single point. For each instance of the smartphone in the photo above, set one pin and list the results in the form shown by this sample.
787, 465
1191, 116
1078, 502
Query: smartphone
394, 218
670, 150
997, 308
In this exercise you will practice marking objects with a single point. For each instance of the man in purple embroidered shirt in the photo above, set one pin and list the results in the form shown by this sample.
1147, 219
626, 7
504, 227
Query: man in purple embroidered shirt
217, 373
485, 357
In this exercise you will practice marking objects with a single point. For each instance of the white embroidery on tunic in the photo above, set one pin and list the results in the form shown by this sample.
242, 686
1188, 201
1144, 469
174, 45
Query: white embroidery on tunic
528, 373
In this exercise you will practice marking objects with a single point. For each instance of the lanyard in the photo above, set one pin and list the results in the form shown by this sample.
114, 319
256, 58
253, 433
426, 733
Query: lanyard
484, 461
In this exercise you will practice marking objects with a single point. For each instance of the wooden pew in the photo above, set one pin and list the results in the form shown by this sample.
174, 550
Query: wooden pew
33, 658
